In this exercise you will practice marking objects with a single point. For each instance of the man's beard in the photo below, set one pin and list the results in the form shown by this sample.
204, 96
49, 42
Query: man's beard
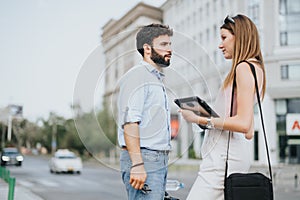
159, 59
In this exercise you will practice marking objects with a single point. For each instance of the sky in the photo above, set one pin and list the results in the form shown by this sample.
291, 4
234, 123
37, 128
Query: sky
44, 47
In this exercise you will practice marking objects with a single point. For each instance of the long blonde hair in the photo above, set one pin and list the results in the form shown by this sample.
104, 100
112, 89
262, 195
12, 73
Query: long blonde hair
246, 45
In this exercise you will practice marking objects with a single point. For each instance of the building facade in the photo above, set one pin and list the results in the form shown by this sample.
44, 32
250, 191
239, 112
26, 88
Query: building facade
281, 49
198, 66
279, 26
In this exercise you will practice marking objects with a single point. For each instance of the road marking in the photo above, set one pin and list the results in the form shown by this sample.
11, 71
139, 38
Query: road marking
25, 183
48, 183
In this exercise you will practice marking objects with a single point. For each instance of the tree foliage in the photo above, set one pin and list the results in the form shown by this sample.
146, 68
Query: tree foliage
95, 132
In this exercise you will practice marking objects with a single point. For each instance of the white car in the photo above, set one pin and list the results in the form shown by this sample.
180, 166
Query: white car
65, 161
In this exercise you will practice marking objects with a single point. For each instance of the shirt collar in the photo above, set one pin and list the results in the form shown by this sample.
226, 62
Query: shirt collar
153, 70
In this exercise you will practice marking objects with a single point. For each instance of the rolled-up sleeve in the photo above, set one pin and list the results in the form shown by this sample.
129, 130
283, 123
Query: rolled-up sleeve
131, 100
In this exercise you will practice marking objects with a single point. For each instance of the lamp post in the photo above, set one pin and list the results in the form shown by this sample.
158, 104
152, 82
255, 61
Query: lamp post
6, 116
9, 124
54, 140
3, 120
15, 111
55, 121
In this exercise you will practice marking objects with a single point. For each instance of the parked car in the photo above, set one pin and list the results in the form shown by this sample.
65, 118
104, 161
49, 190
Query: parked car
65, 161
11, 156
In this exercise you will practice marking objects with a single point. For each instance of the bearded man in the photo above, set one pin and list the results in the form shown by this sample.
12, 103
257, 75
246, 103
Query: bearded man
144, 131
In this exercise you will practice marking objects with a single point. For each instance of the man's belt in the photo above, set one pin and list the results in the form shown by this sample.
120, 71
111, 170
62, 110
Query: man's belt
146, 148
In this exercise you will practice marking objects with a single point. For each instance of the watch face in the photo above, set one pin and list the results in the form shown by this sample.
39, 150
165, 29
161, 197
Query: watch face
209, 125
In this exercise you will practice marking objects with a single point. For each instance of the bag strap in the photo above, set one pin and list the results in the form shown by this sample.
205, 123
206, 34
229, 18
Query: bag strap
231, 110
261, 117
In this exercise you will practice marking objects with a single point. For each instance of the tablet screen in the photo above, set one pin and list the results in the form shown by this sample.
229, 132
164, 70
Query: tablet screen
197, 105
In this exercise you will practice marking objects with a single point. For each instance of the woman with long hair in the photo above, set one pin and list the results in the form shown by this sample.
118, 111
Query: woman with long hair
240, 43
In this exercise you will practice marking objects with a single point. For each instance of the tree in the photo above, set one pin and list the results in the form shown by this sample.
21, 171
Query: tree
97, 130
71, 138
108, 124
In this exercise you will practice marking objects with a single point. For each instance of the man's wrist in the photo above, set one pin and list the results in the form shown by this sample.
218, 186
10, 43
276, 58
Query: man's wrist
136, 165
136, 157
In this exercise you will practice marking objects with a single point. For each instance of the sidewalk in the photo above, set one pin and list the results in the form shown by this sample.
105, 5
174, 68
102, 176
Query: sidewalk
21, 193
286, 177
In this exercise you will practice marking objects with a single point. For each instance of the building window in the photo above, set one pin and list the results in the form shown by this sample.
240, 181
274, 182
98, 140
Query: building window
289, 14
293, 105
281, 107
204, 89
200, 14
283, 38
284, 72
207, 35
188, 22
283, 139
253, 9
222, 3
290, 72
216, 31
215, 57
281, 111
200, 38
282, 7
207, 9
294, 72
215, 5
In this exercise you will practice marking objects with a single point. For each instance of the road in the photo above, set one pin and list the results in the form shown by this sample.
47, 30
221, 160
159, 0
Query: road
97, 182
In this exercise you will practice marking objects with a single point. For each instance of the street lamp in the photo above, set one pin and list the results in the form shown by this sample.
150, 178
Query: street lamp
7, 115
15, 111
54, 120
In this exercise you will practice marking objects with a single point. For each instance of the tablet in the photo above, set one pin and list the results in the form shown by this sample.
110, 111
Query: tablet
197, 105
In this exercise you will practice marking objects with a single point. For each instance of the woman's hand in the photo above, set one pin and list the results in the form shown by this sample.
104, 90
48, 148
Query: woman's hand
189, 116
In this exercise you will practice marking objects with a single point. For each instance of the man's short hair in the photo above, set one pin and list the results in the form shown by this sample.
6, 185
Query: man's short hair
147, 33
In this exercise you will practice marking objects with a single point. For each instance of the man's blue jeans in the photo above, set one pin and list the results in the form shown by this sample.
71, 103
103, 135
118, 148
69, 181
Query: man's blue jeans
156, 165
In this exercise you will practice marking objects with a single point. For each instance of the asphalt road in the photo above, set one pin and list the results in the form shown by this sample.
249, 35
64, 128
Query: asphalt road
97, 182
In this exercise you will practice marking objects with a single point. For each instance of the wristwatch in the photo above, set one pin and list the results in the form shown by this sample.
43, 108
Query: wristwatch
209, 124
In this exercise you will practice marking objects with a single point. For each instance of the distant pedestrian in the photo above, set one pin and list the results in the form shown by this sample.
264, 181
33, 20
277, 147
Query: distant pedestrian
144, 130
240, 42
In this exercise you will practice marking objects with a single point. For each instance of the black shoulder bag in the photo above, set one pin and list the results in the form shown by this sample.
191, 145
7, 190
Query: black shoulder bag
248, 186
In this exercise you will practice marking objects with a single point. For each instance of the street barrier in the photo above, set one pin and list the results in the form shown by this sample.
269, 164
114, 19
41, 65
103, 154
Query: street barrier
5, 175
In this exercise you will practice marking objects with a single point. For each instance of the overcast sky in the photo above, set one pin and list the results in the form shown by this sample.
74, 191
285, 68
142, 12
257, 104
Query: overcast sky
43, 46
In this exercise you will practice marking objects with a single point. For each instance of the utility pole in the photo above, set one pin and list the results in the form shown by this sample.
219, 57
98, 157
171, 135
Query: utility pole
3, 137
11, 112
55, 121
54, 141
16, 111
9, 124
4, 113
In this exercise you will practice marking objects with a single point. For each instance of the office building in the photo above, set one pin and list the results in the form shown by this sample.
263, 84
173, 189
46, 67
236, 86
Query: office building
198, 66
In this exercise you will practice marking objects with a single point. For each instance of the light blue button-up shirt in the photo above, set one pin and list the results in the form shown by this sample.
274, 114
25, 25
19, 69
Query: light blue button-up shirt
143, 99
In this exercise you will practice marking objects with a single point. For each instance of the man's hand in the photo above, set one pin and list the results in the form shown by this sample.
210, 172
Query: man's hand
138, 174
138, 177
